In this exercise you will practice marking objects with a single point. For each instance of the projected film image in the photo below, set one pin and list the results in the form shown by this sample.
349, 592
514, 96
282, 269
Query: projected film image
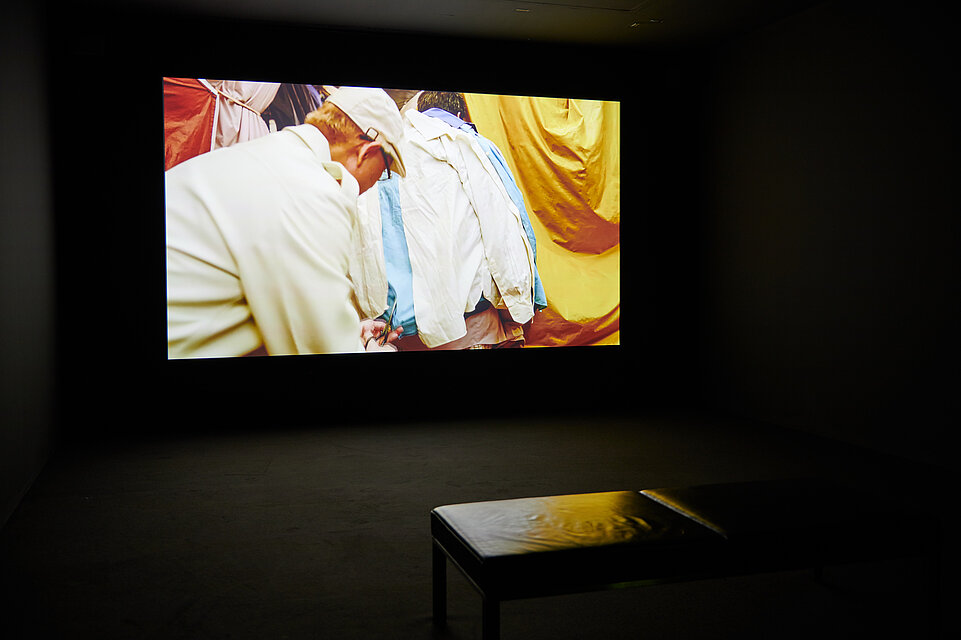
313, 219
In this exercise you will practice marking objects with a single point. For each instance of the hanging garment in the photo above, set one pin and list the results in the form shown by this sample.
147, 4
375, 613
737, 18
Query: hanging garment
239, 108
201, 115
291, 105
189, 118
510, 184
464, 237
396, 255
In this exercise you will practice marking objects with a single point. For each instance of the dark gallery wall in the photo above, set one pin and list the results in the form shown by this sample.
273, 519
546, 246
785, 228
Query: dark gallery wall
831, 240
26, 257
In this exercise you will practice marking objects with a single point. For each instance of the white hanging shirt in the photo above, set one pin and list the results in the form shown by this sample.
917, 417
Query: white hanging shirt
238, 108
259, 241
464, 235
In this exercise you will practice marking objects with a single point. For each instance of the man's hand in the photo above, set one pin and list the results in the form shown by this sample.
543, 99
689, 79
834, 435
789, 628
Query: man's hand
372, 334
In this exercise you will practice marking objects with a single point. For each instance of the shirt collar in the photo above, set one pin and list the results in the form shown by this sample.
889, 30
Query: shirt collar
449, 118
313, 138
429, 127
446, 116
317, 142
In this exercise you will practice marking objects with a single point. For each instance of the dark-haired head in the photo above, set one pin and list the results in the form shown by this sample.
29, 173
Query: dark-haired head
449, 101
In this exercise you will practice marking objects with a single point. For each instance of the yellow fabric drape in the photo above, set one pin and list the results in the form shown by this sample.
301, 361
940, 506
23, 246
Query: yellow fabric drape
565, 155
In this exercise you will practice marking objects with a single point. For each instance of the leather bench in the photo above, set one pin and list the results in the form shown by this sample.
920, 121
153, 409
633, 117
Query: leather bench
543, 546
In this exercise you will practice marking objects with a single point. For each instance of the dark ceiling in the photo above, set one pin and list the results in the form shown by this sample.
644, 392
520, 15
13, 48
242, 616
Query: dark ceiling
610, 22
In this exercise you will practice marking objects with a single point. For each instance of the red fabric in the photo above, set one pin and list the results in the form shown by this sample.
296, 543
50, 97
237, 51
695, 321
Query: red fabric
188, 119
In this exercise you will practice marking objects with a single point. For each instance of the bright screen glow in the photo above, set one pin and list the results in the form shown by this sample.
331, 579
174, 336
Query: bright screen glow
503, 233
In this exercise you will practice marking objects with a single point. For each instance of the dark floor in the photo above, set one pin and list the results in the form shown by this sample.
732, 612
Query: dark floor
323, 533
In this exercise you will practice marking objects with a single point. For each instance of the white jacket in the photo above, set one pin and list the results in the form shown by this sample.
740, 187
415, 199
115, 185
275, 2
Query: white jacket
464, 235
259, 241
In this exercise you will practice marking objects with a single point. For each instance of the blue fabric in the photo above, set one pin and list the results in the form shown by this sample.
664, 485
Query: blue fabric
510, 184
449, 118
399, 278
314, 93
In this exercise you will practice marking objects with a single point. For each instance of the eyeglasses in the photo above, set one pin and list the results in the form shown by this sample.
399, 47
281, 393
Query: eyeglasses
371, 136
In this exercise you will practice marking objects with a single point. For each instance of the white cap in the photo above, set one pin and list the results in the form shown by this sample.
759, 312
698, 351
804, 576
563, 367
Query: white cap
377, 115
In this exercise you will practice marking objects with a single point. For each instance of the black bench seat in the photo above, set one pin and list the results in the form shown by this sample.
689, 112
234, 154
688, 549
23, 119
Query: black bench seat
543, 546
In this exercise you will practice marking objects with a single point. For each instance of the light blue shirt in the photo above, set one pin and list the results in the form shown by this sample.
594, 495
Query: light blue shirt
399, 276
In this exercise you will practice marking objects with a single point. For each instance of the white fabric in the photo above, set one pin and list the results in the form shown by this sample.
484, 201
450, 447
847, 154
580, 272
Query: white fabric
259, 242
464, 234
238, 109
368, 266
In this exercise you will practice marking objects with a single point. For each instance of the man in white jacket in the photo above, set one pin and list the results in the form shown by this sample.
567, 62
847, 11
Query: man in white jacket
260, 235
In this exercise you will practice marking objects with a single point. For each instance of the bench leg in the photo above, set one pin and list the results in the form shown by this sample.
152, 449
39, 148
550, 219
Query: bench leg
933, 568
491, 619
439, 580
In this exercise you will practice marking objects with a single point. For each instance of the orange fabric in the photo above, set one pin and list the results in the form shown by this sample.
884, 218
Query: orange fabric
189, 109
565, 155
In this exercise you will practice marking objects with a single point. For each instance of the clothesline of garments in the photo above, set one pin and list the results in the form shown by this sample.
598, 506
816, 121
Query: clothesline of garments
395, 247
